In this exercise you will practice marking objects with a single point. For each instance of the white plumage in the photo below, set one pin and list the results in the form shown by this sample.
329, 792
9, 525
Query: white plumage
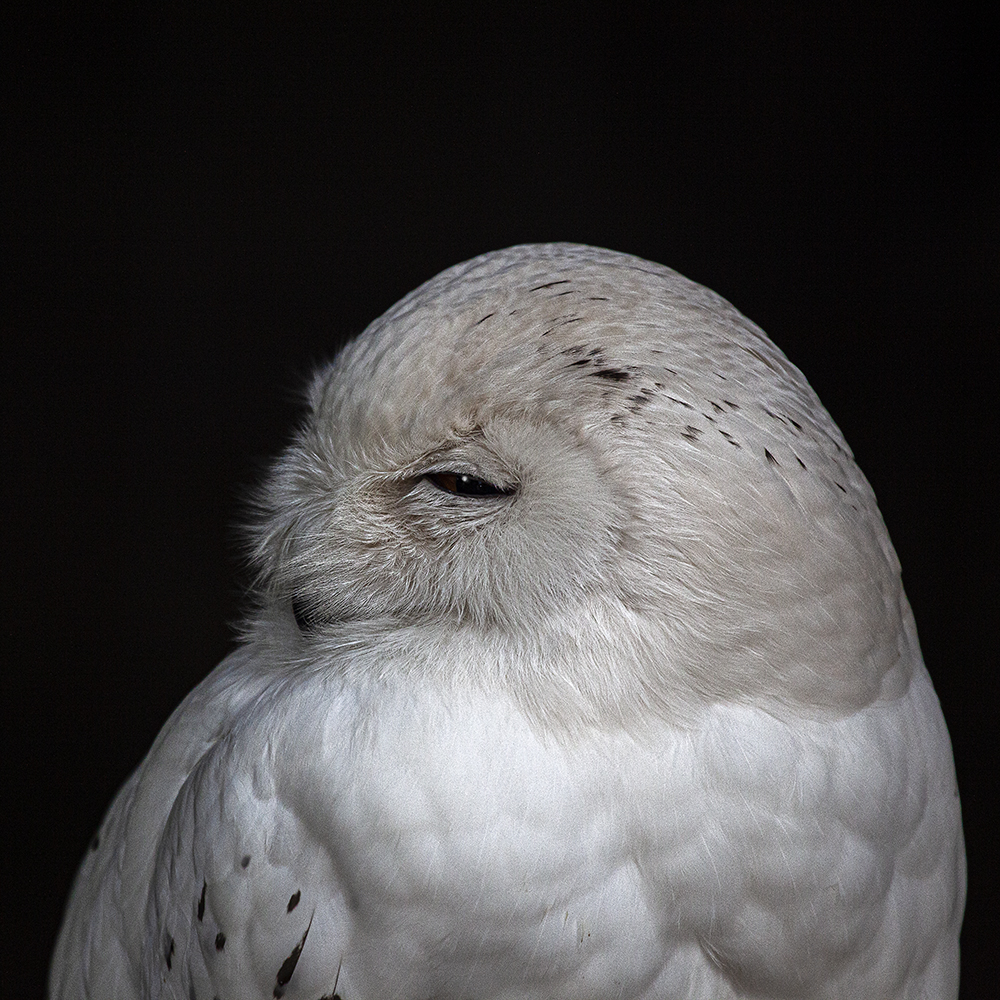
581, 668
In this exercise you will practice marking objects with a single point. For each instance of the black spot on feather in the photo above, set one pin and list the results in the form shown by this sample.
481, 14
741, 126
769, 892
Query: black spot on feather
169, 951
201, 901
288, 966
612, 374
759, 357
771, 458
294, 901
220, 941
564, 321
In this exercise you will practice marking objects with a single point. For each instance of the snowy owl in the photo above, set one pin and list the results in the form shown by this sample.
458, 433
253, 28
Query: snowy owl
579, 667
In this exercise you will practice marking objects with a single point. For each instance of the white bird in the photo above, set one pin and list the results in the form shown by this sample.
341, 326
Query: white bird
580, 668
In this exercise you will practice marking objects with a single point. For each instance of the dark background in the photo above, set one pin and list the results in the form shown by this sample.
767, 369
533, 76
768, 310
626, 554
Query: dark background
196, 213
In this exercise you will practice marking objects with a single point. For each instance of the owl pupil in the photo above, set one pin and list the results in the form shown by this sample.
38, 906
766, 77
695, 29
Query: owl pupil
463, 484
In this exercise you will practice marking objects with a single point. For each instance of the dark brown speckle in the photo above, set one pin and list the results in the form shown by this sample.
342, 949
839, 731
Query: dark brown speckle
550, 284
612, 374
288, 966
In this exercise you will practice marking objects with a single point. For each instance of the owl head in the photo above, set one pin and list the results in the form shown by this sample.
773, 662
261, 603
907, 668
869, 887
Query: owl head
578, 478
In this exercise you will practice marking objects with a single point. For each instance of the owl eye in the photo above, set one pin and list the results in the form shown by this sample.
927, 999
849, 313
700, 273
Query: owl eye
462, 484
305, 616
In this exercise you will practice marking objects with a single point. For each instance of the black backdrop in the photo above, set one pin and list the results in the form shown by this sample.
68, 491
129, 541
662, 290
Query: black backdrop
198, 212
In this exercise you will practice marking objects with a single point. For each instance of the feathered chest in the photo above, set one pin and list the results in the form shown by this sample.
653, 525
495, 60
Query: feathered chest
414, 847
438, 846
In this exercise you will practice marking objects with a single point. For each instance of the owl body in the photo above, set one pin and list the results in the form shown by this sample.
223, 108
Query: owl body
580, 666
